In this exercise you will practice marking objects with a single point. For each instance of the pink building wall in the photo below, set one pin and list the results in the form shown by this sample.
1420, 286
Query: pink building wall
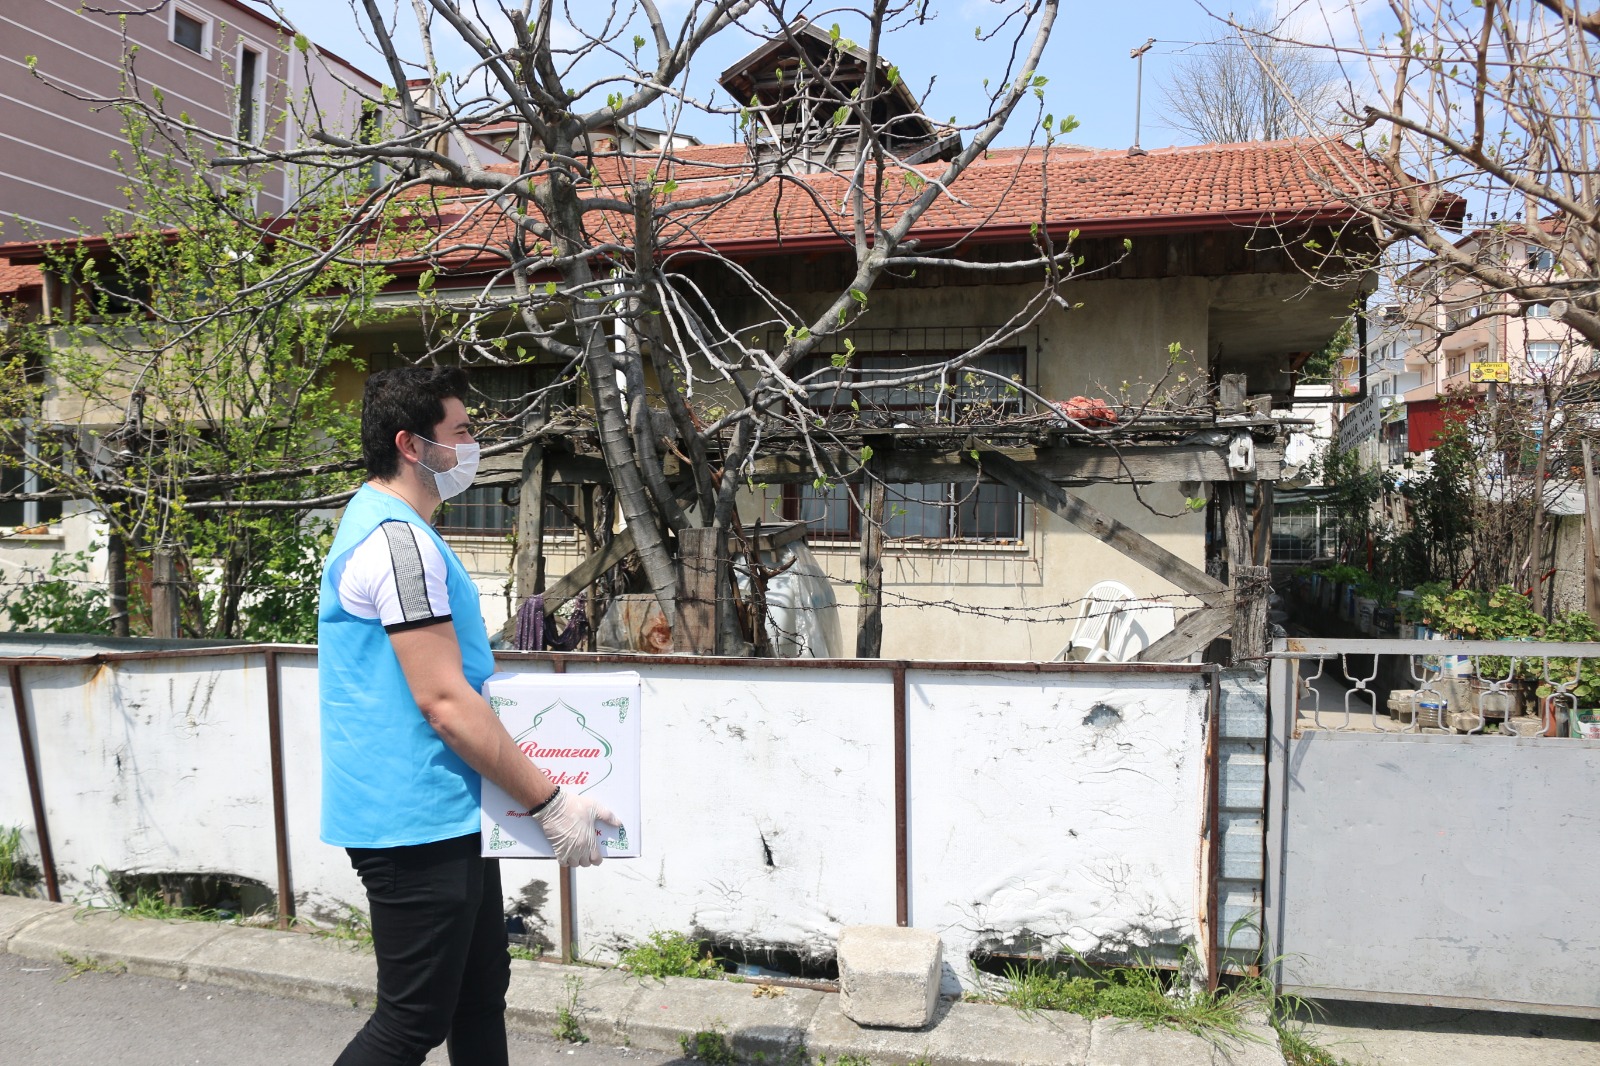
57, 176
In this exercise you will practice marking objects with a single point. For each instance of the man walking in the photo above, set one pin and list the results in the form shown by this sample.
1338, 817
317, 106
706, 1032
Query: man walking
406, 734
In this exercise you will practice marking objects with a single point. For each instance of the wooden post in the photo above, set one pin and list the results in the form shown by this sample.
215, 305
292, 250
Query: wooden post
702, 554
164, 593
869, 623
1251, 587
1591, 536
530, 523
596, 543
117, 579
1261, 535
1235, 519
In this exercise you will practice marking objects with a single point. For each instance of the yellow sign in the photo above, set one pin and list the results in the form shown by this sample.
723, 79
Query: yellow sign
1489, 372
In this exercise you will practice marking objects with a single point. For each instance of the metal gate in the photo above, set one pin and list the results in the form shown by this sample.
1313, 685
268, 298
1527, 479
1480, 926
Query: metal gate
1449, 856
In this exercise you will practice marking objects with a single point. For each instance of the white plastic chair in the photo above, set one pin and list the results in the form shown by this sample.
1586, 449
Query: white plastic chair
1103, 620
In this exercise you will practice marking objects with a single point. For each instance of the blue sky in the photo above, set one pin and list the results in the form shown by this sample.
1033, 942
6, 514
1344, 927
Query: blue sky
1090, 73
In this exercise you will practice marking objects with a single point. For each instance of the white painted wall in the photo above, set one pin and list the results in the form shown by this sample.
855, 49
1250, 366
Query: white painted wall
1059, 810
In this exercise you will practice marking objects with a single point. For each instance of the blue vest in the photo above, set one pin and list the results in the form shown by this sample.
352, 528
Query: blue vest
387, 778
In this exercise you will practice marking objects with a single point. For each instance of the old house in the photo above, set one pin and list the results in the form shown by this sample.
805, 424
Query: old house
1194, 268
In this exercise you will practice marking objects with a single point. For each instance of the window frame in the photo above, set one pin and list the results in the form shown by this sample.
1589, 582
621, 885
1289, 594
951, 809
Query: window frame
204, 22
252, 135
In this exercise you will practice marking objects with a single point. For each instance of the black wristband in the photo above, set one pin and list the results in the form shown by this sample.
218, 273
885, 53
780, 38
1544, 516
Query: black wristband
547, 801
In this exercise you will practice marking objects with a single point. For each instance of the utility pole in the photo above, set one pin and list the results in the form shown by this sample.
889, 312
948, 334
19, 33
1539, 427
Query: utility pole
1138, 93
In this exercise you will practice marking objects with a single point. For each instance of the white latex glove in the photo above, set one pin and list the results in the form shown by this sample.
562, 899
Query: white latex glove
568, 823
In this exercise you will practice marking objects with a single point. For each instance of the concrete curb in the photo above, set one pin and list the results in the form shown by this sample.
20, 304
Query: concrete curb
762, 1023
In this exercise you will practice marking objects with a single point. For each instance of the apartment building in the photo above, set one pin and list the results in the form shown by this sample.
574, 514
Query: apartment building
231, 67
1448, 336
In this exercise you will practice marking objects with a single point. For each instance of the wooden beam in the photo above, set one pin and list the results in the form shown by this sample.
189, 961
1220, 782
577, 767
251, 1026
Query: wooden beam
1135, 545
580, 577
1146, 464
1193, 632
1591, 534
530, 523
869, 623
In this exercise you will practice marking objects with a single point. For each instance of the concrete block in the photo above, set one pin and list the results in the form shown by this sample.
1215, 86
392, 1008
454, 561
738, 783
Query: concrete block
146, 946
833, 1035
1116, 1042
539, 991
294, 965
889, 976
984, 1034
16, 912
755, 1024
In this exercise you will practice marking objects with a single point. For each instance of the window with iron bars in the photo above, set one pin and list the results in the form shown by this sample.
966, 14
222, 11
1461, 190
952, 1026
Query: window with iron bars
918, 512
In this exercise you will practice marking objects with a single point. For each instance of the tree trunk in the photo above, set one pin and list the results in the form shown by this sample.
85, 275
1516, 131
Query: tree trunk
117, 579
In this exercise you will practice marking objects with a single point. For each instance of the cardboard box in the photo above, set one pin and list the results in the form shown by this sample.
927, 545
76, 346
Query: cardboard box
582, 730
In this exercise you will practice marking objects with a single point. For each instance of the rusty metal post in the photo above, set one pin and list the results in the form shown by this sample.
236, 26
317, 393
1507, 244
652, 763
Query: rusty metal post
30, 765
902, 843
566, 887
1212, 953
280, 808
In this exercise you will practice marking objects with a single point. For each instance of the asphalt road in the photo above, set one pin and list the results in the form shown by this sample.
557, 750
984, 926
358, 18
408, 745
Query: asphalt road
50, 1016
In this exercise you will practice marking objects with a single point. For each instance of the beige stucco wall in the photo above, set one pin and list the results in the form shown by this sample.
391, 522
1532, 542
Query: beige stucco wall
1121, 333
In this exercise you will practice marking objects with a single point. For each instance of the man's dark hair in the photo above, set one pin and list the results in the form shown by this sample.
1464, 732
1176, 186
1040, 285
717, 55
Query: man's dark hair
410, 398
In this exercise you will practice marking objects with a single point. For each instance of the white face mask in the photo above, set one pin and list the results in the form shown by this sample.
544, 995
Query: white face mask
457, 479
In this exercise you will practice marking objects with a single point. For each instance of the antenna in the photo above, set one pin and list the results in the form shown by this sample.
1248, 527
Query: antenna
1138, 93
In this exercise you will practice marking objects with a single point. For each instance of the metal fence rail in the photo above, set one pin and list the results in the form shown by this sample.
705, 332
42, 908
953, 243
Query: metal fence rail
1421, 687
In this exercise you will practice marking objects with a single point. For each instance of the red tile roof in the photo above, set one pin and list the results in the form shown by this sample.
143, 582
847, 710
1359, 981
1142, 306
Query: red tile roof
14, 278
1000, 198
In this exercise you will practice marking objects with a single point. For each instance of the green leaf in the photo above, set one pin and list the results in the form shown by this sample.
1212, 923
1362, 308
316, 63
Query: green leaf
638, 42
855, 405
549, 288
301, 43
833, 32
1040, 81
840, 360
669, 188
1069, 124
859, 297
892, 75
840, 115
865, 453
1127, 244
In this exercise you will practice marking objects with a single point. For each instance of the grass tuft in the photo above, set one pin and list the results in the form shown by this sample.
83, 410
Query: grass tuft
18, 875
566, 1015
708, 1046
670, 954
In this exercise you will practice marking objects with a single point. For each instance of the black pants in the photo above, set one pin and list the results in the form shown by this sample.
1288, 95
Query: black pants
440, 937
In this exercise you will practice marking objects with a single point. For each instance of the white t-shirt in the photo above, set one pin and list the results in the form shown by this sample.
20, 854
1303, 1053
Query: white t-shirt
397, 576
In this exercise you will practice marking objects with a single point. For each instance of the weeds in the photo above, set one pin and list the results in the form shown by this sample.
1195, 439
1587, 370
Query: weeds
1299, 1051
18, 875
523, 952
708, 1046
670, 954
1141, 994
566, 1016
81, 966
354, 928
